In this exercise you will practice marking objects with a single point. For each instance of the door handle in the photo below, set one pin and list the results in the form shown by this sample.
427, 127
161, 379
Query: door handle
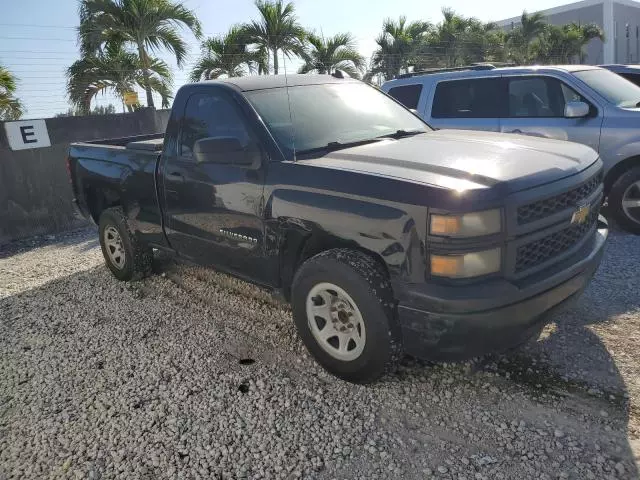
517, 130
175, 177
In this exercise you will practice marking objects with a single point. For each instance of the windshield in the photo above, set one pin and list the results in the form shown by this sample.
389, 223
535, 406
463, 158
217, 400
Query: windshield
613, 87
331, 113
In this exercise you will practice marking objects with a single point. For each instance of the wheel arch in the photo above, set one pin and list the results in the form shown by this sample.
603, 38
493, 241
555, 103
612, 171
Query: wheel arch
99, 199
299, 246
618, 170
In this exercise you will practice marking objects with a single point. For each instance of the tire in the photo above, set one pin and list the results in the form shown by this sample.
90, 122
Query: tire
357, 288
627, 184
130, 259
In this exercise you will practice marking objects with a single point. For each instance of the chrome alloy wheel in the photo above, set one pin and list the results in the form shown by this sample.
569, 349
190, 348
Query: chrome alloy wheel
335, 322
631, 202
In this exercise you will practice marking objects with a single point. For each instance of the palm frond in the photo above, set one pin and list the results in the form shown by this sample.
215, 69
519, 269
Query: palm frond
10, 107
277, 30
116, 70
146, 25
228, 55
325, 55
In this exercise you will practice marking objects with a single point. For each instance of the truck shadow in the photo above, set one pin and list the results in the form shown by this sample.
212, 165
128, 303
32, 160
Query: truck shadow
589, 351
86, 235
579, 341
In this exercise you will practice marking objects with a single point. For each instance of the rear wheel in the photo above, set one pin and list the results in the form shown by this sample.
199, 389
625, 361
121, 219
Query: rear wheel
343, 308
124, 254
624, 200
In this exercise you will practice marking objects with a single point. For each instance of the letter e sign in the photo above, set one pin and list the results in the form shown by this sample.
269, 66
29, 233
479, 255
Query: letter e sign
27, 134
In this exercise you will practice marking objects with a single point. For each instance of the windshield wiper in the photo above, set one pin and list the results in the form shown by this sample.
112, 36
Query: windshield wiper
333, 146
402, 133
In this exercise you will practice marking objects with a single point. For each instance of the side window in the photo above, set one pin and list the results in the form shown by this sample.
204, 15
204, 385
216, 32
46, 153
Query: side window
570, 95
408, 95
539, 97
210, 115
479, 98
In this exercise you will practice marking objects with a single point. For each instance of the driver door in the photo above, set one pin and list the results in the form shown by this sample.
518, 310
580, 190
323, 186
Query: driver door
214, 211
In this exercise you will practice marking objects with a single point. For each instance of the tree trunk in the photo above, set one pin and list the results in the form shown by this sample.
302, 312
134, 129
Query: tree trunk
145, 73
275, 61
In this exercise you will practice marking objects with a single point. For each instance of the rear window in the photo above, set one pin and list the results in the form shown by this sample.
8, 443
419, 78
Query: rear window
478, 98
408, 95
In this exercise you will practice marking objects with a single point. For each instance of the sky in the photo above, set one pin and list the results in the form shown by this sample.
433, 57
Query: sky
38, 37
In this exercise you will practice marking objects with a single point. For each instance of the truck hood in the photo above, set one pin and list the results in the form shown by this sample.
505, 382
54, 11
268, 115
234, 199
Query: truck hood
465, 160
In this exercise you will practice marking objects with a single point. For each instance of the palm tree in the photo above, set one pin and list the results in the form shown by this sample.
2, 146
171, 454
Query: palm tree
10, 107
459, 40
532, 25
337, 52
587, 32
228, 56
520, 38
277, 30
147, 25
450, 34
396, 45
118, 71
564, 44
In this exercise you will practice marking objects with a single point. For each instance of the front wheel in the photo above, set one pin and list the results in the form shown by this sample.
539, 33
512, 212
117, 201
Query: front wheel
624, 199
344, 311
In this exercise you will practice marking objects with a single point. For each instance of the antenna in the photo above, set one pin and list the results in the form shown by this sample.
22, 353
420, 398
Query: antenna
293, 128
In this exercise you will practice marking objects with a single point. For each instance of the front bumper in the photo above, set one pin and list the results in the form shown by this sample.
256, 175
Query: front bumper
457, 322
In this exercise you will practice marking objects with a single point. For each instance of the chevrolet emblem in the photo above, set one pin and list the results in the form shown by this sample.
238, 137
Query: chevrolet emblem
580, 215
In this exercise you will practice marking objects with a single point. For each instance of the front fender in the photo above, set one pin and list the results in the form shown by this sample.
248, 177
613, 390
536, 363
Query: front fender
616, 153
333, 220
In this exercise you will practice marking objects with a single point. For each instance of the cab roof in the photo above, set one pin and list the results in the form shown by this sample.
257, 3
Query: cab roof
480, 72
262, 82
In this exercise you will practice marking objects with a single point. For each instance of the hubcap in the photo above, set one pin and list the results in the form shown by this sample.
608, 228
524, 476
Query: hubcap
335, 322
113, 244
631, 202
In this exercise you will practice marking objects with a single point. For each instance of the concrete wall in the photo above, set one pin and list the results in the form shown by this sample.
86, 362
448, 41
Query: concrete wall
626, 50
35, 194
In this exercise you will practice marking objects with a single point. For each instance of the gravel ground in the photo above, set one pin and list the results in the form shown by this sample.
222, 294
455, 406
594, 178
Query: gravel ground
193, 374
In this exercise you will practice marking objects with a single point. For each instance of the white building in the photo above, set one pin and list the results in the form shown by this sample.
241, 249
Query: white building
619, 19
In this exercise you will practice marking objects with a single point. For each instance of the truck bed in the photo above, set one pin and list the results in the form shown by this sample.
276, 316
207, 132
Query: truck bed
152, 142
126, 167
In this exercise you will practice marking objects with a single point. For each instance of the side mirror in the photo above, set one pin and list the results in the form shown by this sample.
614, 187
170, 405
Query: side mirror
227, 151
576, 110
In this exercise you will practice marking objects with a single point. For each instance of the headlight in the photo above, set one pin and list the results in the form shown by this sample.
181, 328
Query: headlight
474, 224
467, 265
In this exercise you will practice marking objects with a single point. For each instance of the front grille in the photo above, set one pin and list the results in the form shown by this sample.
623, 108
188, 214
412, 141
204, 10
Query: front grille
546, 248
549, 206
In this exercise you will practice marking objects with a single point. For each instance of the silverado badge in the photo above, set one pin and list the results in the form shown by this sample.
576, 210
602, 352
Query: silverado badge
580, 215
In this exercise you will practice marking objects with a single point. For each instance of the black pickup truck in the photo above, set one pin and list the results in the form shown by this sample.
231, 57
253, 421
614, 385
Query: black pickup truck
385, 236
